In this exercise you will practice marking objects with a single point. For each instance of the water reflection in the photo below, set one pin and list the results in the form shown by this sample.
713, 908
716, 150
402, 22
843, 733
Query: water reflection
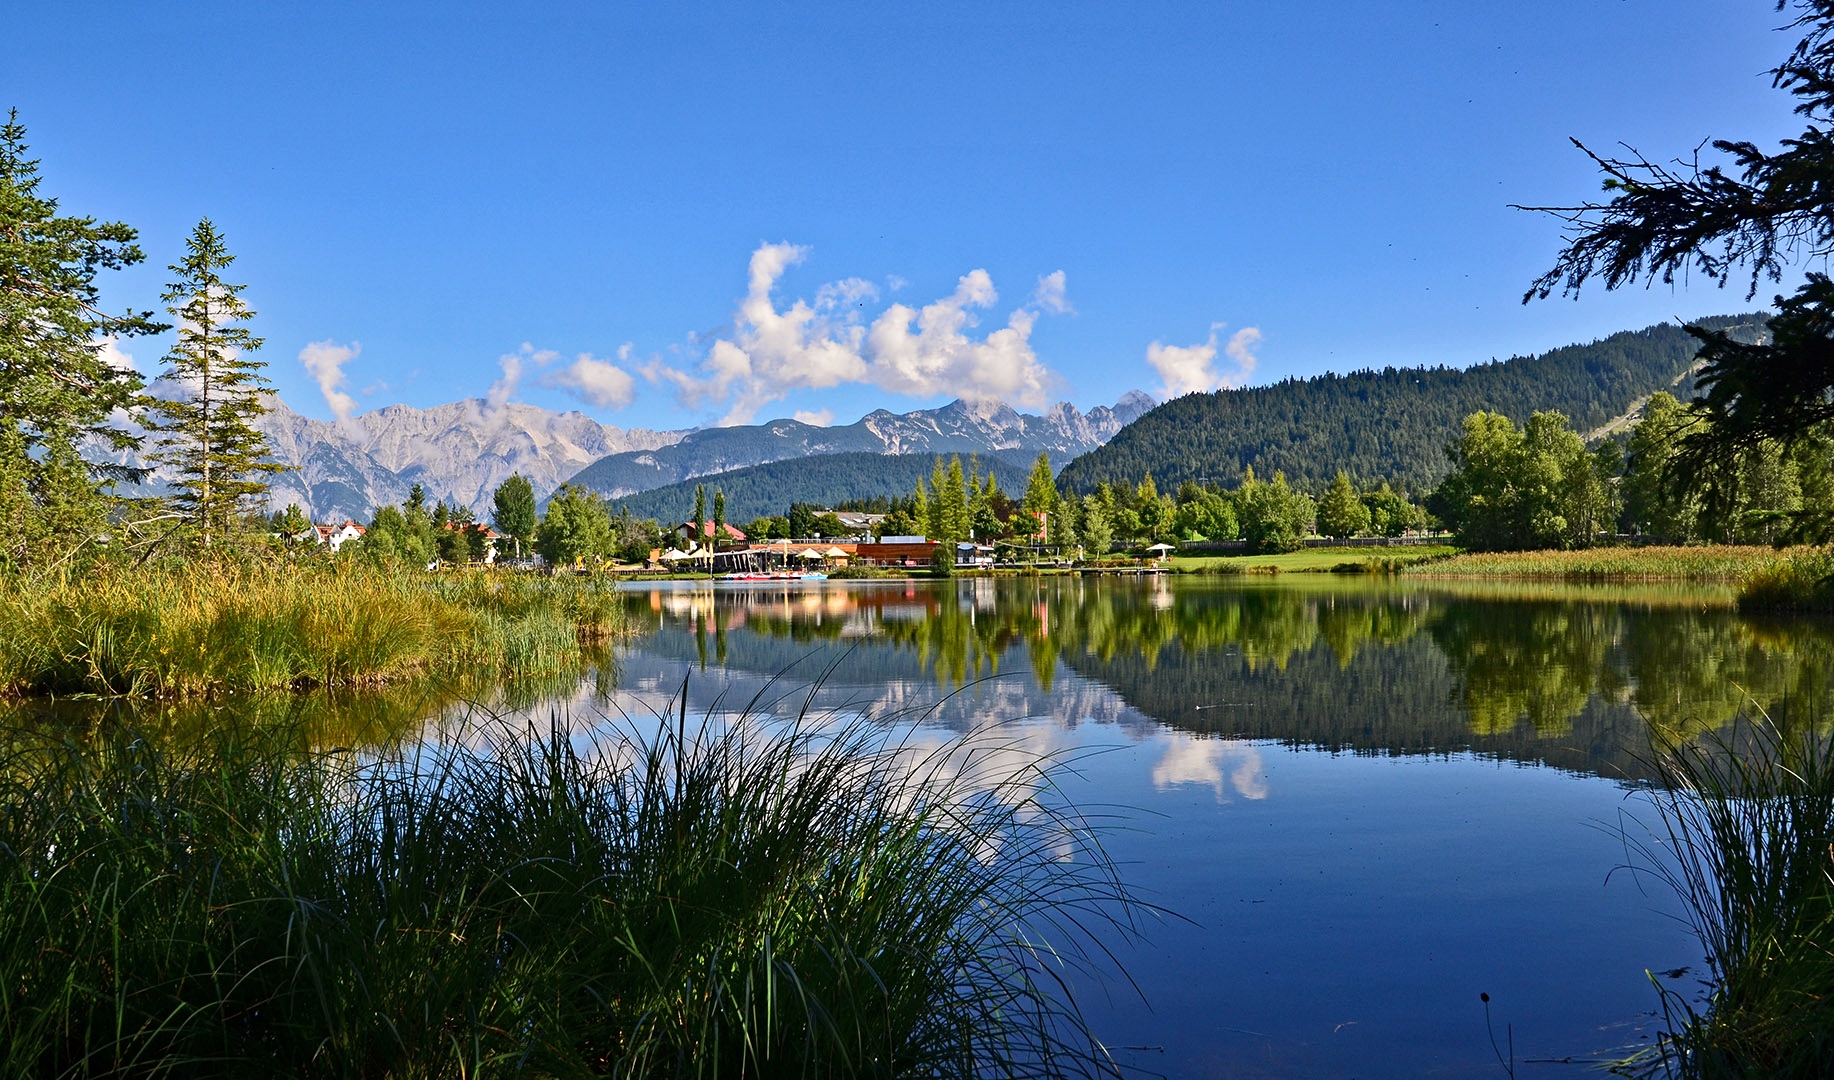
1565, 676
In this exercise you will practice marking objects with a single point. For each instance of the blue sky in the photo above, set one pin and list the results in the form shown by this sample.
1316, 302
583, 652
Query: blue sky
1012, 200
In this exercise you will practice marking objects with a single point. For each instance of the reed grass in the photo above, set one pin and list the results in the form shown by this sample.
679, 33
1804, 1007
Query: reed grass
750, 901
1747, 841
214, 630
1804, 581
1679, 563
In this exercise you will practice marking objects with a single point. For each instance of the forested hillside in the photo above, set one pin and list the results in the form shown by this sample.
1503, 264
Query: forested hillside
1392, 424
824, 480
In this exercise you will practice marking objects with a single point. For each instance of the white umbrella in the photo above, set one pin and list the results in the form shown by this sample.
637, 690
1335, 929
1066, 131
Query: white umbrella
672, 555
1162, 547
836, 553
809, 553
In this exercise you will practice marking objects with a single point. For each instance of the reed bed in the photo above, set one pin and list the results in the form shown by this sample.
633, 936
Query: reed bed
229, 629
1803, 581
753, 901
1722, 562
1747, 841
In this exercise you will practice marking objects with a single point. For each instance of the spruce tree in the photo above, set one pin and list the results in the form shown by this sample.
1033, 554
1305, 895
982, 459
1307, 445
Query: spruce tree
1040, 492
920, 509
955, 521
204, 427
936, 519
56, 383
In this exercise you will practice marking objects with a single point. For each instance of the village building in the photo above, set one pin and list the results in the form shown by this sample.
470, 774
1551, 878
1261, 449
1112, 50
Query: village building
337, 535
688, 537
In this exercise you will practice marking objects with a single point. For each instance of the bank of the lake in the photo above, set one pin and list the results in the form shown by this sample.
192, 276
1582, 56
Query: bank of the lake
216, 629
1704, 562
802, 900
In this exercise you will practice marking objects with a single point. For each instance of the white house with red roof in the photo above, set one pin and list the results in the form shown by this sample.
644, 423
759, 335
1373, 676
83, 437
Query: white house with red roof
337, 535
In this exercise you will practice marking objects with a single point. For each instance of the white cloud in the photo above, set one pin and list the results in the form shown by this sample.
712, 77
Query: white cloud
1050, 295
595, 381
116, 357
842, 295
940, 358
1190, 369
511, 365
325, 362
772, 352
816, 418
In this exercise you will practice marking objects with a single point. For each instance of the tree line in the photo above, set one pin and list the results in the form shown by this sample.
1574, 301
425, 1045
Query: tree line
1538, 486
67, 398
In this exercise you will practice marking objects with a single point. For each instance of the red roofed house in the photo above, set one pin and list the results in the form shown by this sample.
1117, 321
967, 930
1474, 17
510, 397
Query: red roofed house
687, 534
336, 535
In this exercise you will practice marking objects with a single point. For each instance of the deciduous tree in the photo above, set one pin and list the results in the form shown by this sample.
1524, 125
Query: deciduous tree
1341, 513
513, 510
577, 526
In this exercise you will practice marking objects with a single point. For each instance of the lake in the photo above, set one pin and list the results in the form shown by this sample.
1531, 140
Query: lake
1360, 802
1372, 801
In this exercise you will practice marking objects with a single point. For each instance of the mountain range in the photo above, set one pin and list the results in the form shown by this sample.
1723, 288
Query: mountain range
460, 452
990, 429
824, 480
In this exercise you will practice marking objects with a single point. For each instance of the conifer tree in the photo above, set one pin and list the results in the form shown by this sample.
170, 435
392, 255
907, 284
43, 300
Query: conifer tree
57, 384
1040, 491
955, 521
920, 509
700, 510
935, 520
204, 428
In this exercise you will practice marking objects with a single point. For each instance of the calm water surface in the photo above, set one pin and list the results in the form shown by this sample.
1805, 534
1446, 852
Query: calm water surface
1373, 802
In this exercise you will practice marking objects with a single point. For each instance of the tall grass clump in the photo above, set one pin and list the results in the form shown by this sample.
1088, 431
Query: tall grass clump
1748, 844
216, 629
748, 901
1803, 581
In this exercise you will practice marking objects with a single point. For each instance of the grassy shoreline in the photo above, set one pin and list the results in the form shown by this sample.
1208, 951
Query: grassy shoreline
1722, 563
210, 631
754, 900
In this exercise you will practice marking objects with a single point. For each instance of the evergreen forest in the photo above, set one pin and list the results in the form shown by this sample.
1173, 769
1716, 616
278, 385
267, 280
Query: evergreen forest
1393, 424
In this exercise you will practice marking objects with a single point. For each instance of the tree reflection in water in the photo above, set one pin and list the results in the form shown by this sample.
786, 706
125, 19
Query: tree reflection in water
1562, 675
